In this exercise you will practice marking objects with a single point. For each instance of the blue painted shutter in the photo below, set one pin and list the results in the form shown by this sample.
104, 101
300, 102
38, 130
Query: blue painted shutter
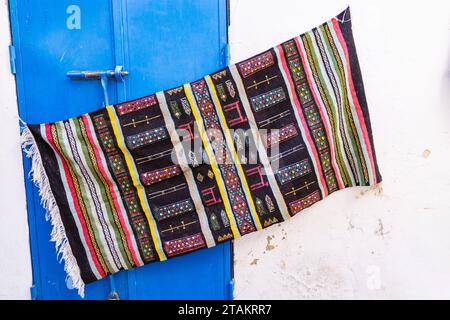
161, 44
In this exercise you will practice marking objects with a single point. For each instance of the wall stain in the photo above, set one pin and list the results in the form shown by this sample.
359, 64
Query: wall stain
377, 190
380, 231
270, 246
426, 153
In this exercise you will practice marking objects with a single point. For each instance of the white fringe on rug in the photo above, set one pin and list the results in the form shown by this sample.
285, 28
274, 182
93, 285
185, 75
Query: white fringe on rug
58, 234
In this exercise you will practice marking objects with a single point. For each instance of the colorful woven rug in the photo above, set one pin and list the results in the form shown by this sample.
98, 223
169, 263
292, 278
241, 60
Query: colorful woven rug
237, 151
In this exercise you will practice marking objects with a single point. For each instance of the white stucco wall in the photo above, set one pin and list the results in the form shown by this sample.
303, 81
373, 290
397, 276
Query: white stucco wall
15, 263
357, 244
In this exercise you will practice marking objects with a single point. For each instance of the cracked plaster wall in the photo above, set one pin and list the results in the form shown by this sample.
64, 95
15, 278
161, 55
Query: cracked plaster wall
358, 243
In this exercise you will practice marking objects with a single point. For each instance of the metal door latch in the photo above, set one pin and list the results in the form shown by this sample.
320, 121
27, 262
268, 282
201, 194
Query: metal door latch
118, 73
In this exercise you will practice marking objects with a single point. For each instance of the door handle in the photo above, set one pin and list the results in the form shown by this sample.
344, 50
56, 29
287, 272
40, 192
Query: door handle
104, 75
118, 73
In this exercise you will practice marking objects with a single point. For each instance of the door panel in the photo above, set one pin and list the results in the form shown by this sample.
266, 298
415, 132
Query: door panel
161, 44
177, 46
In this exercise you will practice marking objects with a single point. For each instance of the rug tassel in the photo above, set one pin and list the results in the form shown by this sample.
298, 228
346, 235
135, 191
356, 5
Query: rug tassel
58, 234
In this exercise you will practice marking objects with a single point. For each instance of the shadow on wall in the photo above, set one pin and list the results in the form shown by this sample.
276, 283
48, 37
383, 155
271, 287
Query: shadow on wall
445, 85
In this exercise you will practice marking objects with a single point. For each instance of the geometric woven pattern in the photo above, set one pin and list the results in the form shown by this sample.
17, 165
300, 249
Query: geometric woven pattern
239, 150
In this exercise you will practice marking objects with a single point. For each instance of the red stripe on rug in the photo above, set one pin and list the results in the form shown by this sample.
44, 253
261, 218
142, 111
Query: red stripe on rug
337, 29
75, 201
322, 115
303, 121
111, 190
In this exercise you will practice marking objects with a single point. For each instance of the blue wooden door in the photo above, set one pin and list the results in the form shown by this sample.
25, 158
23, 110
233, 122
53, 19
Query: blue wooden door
161, 44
